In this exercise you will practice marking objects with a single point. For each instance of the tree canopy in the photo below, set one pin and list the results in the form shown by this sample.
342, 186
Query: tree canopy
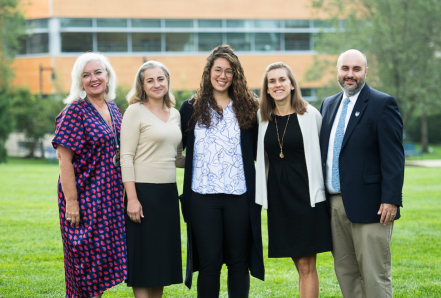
402, 42
12, 27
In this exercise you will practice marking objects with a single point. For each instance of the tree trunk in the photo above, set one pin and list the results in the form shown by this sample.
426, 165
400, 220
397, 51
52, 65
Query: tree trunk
31, 147
42, 148
424, 129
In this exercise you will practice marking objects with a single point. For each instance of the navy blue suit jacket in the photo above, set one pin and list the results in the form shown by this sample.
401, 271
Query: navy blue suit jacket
372, 155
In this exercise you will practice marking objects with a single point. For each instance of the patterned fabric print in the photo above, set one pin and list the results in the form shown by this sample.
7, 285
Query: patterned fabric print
339, 135
217, 159
95, 251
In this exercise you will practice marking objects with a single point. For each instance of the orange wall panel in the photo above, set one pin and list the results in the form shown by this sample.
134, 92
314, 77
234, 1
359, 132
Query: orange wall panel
209, 9
186, 71
27, 73
36, 9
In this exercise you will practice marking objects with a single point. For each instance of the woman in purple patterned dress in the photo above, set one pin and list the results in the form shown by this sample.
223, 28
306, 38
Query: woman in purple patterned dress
90, 189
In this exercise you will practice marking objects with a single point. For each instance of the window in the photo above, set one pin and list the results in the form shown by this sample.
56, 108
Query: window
267, 41
208, 41
296, 23
210, 23
35, 44
76, 23
146, 23
266, 23
146, 42
112, 42
239, 41
297, 41
179, 23
324, 24
76, 42
306, 92
238, 23
179, 42
111, 23
37, 24
22, 45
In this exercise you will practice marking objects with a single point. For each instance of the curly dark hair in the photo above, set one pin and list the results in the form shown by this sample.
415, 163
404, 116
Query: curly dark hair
245, 106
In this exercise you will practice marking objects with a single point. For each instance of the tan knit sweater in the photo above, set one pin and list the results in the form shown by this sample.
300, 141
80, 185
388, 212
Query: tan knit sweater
150, 149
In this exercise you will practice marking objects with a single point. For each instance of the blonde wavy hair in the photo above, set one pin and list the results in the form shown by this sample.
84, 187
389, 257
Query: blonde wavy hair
137, 93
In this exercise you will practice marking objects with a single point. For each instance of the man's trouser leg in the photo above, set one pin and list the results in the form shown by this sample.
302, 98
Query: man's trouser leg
362, 257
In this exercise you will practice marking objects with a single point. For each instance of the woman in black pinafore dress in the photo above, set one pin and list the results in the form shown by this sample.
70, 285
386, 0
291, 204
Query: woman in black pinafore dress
293, 188
295, 229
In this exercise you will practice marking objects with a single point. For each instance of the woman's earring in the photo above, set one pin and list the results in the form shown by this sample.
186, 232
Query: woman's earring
107, 88
83, 94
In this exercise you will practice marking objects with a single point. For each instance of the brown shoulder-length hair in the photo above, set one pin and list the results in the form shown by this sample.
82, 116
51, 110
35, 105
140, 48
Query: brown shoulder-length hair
137, 93
245, 106
267, 104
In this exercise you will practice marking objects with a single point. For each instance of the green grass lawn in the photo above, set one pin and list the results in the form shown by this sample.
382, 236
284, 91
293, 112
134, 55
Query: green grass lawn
31, 253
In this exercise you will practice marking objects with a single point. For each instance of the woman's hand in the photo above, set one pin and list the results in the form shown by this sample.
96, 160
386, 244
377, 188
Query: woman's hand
134, 210
73, 212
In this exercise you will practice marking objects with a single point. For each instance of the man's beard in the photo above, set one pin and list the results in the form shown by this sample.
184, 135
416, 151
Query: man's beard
359, 84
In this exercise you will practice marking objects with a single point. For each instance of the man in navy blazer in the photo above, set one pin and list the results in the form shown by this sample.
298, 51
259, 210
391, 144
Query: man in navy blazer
363, 168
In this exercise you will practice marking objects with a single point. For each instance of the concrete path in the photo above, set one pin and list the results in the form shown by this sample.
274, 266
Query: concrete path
424, 163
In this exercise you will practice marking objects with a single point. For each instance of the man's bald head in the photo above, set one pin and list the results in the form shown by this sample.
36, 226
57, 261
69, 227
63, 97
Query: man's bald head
353, 53
351, 71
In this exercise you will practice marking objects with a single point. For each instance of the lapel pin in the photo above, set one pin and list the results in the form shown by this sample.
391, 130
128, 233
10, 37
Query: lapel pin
357, 113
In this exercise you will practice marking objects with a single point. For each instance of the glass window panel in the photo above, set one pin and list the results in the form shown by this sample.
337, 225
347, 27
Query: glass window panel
37, 43
37, 24
239, 41
76, 23
266, 23
297, 41
76, 42
146, 42
238, 23
111, 23
208, 41
146, 23
179, 23
306, 92
22, 45
179, 42
296, 23
112, 42
210, 23
267, 41
324, 24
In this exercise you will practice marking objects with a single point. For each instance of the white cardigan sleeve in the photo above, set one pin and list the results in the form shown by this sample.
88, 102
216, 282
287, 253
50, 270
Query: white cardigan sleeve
310, 125
262, 165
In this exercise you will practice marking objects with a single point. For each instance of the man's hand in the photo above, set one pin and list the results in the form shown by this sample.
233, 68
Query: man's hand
388, 213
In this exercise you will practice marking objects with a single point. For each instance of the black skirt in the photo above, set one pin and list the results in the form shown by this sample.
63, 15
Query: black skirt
154, 245
295, 229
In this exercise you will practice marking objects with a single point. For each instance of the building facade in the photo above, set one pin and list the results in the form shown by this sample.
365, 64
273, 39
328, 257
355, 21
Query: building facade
178, 33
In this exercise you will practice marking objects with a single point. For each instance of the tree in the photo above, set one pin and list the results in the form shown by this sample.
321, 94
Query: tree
34, 116
12, 26
401, 39
120, 99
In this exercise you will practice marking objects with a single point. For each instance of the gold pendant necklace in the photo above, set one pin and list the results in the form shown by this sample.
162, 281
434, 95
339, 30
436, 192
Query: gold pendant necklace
278, 138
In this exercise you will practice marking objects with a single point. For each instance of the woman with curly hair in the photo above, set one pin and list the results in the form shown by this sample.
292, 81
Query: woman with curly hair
219, 130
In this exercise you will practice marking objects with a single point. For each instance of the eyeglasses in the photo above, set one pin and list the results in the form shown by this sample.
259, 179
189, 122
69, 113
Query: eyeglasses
228, 72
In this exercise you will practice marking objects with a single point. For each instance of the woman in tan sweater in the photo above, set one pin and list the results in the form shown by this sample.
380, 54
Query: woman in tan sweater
150, 152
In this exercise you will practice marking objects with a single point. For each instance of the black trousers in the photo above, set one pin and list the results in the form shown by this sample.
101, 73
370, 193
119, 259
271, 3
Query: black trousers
221, 229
